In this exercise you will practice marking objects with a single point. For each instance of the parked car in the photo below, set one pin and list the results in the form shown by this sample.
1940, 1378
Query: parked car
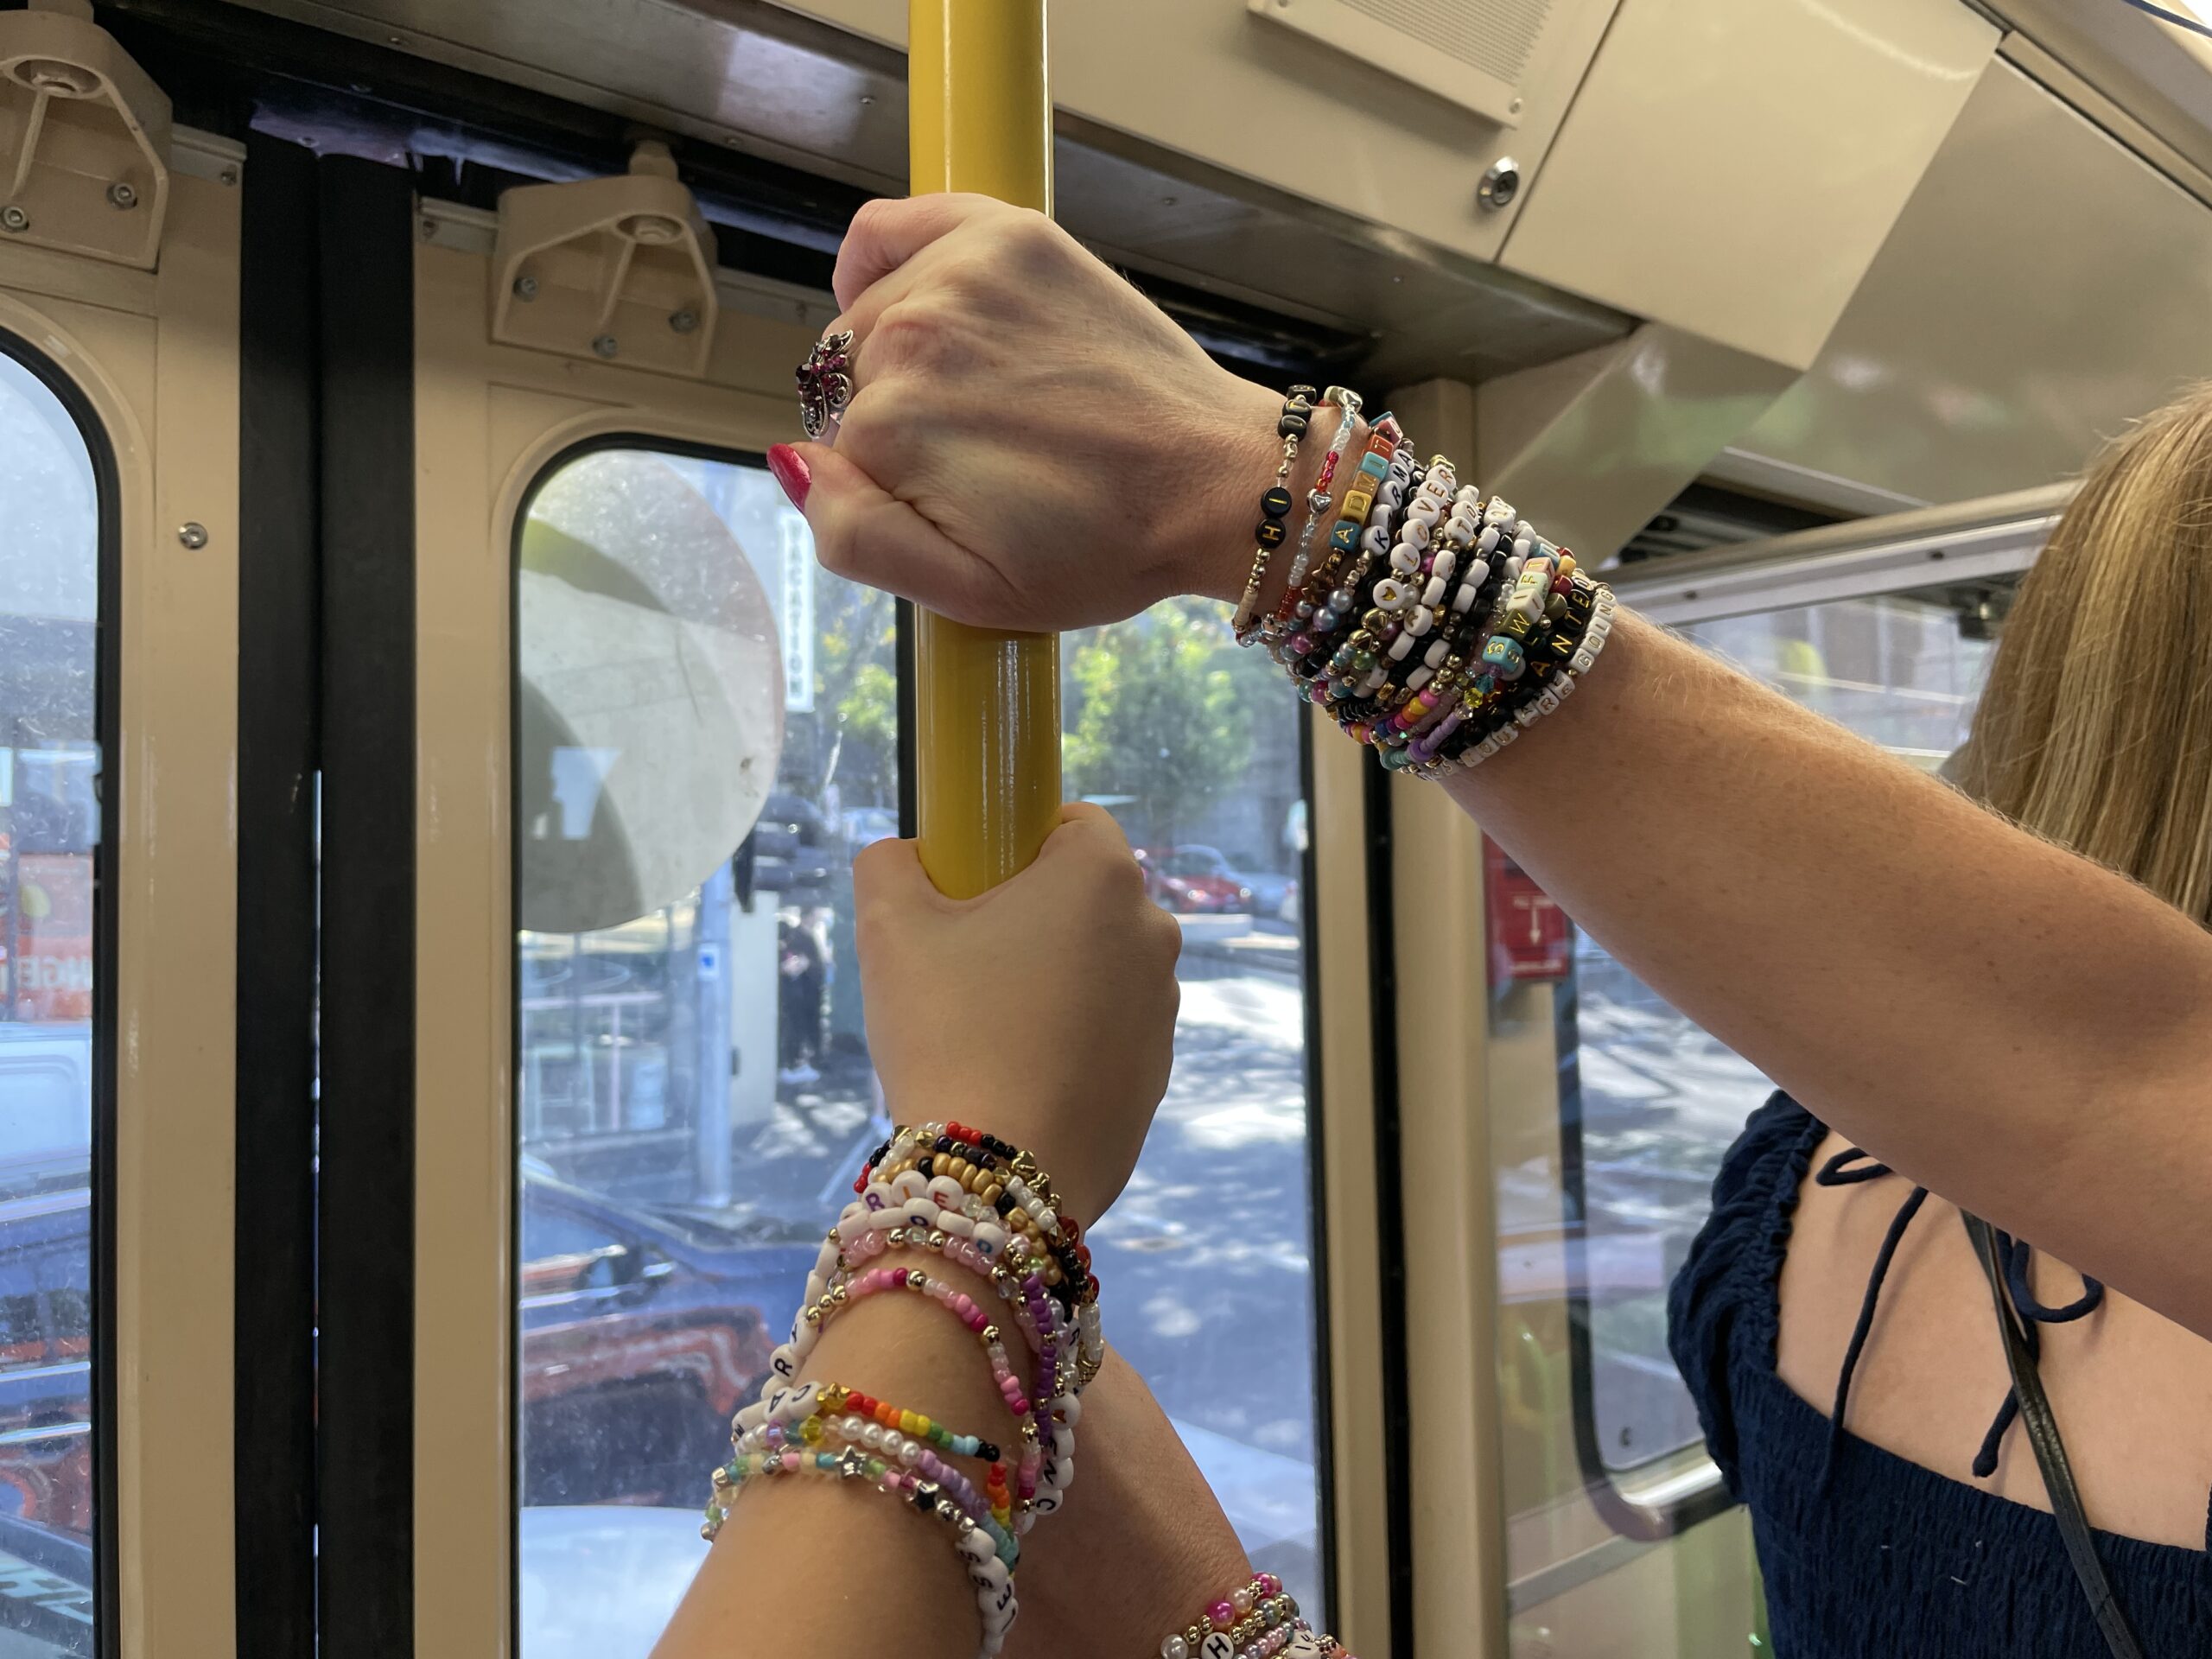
1194, 880
866, 825
790, 846
643, 1328
1268, 887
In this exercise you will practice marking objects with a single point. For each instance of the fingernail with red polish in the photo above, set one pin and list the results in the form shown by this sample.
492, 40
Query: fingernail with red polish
790, 468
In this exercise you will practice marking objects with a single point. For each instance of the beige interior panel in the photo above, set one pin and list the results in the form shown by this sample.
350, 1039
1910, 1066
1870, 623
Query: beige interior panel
1951, 375
1450, 1234
156, 355
1351, 1229
1595, 446
488, 419
1703, 178
1206, 78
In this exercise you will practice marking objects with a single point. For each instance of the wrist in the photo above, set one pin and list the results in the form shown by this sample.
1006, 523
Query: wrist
1247, 450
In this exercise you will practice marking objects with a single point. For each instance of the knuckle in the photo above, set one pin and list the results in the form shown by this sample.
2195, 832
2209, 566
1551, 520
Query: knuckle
907, 336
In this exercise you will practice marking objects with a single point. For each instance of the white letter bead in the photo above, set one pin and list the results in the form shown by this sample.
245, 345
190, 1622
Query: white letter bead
1375, 541
1390, 593
1499, 512
911, 1184
1404, 560
956, 1223
1414, 535
977, 1546
947, 1191
1547, 702
1417, 623
1437, 651
1488, 542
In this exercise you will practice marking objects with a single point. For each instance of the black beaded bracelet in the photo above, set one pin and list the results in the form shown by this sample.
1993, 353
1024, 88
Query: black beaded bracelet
1274, 508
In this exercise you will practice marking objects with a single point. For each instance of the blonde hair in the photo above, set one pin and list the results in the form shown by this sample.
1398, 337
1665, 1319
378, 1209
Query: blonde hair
2094, 730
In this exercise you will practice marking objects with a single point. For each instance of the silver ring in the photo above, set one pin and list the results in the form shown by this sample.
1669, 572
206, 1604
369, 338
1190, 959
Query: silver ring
825, 384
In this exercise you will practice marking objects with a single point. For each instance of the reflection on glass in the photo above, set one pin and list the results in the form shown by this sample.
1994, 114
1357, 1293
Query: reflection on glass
709, 734
1660, 1100
695, 1091
1207, 1259
49, 830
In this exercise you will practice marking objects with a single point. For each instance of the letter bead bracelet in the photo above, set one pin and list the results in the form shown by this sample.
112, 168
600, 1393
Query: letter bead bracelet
983, 1207
1255, 1621
1437, 624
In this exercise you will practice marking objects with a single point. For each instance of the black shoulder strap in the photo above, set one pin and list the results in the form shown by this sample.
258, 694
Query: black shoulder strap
2051, 1453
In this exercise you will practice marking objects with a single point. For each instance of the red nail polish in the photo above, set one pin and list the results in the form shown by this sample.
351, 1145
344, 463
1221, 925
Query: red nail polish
790, 468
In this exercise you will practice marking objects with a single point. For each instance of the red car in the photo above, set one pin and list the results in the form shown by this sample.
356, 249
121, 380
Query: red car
1194, 881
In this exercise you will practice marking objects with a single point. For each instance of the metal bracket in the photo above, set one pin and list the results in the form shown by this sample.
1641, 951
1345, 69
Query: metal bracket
83, 137
620, 270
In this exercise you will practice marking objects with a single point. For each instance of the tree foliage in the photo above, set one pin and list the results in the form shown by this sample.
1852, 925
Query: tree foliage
1153, 716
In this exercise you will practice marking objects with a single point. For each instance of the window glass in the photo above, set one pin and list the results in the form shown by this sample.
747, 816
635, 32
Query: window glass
694, 1088
1207, 1259
707, 733
49, 836
1660, 1099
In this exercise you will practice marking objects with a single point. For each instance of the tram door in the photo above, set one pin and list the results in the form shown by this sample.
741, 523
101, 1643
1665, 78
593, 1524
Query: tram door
651, 734
1610, 1112
119, 533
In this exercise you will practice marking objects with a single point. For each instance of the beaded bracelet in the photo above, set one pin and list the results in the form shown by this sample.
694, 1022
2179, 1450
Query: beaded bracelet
1024, 1477
1005, 1180
1421, 513
1255, 1621
1276, 503
988, 1552
901, 1216
1387, 467
1498, 709
1318, 498
1586, 656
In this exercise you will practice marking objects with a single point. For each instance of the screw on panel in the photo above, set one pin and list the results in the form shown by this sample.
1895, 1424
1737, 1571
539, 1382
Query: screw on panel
230, 175
13, 218
525, 288
1501, 183
193, 535
121, 195
684, 321
604, 345
427, 229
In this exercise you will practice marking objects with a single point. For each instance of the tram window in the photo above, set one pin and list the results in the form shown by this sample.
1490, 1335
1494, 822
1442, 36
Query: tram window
707, 733
694, 1086
1209, 1255
49, 836
1660, 1099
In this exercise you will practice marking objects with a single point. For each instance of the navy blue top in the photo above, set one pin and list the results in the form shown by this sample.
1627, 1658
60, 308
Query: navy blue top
1863, 1552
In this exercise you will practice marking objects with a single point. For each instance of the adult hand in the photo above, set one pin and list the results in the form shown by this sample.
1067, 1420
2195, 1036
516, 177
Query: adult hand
1032, 443
1043, 1012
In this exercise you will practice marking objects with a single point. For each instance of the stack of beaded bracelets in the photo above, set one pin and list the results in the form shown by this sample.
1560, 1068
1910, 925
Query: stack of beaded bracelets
1255, 1621
1470, 624
973, 1200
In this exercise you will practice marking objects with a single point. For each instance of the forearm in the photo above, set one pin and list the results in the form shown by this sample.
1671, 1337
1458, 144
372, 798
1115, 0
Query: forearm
813, 1567
1141, 1545
2018, 1029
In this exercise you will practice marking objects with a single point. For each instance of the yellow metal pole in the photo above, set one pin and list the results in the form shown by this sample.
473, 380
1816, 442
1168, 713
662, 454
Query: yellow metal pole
987, 702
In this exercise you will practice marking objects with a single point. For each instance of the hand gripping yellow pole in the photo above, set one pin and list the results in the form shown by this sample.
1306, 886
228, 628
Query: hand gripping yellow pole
987, 703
